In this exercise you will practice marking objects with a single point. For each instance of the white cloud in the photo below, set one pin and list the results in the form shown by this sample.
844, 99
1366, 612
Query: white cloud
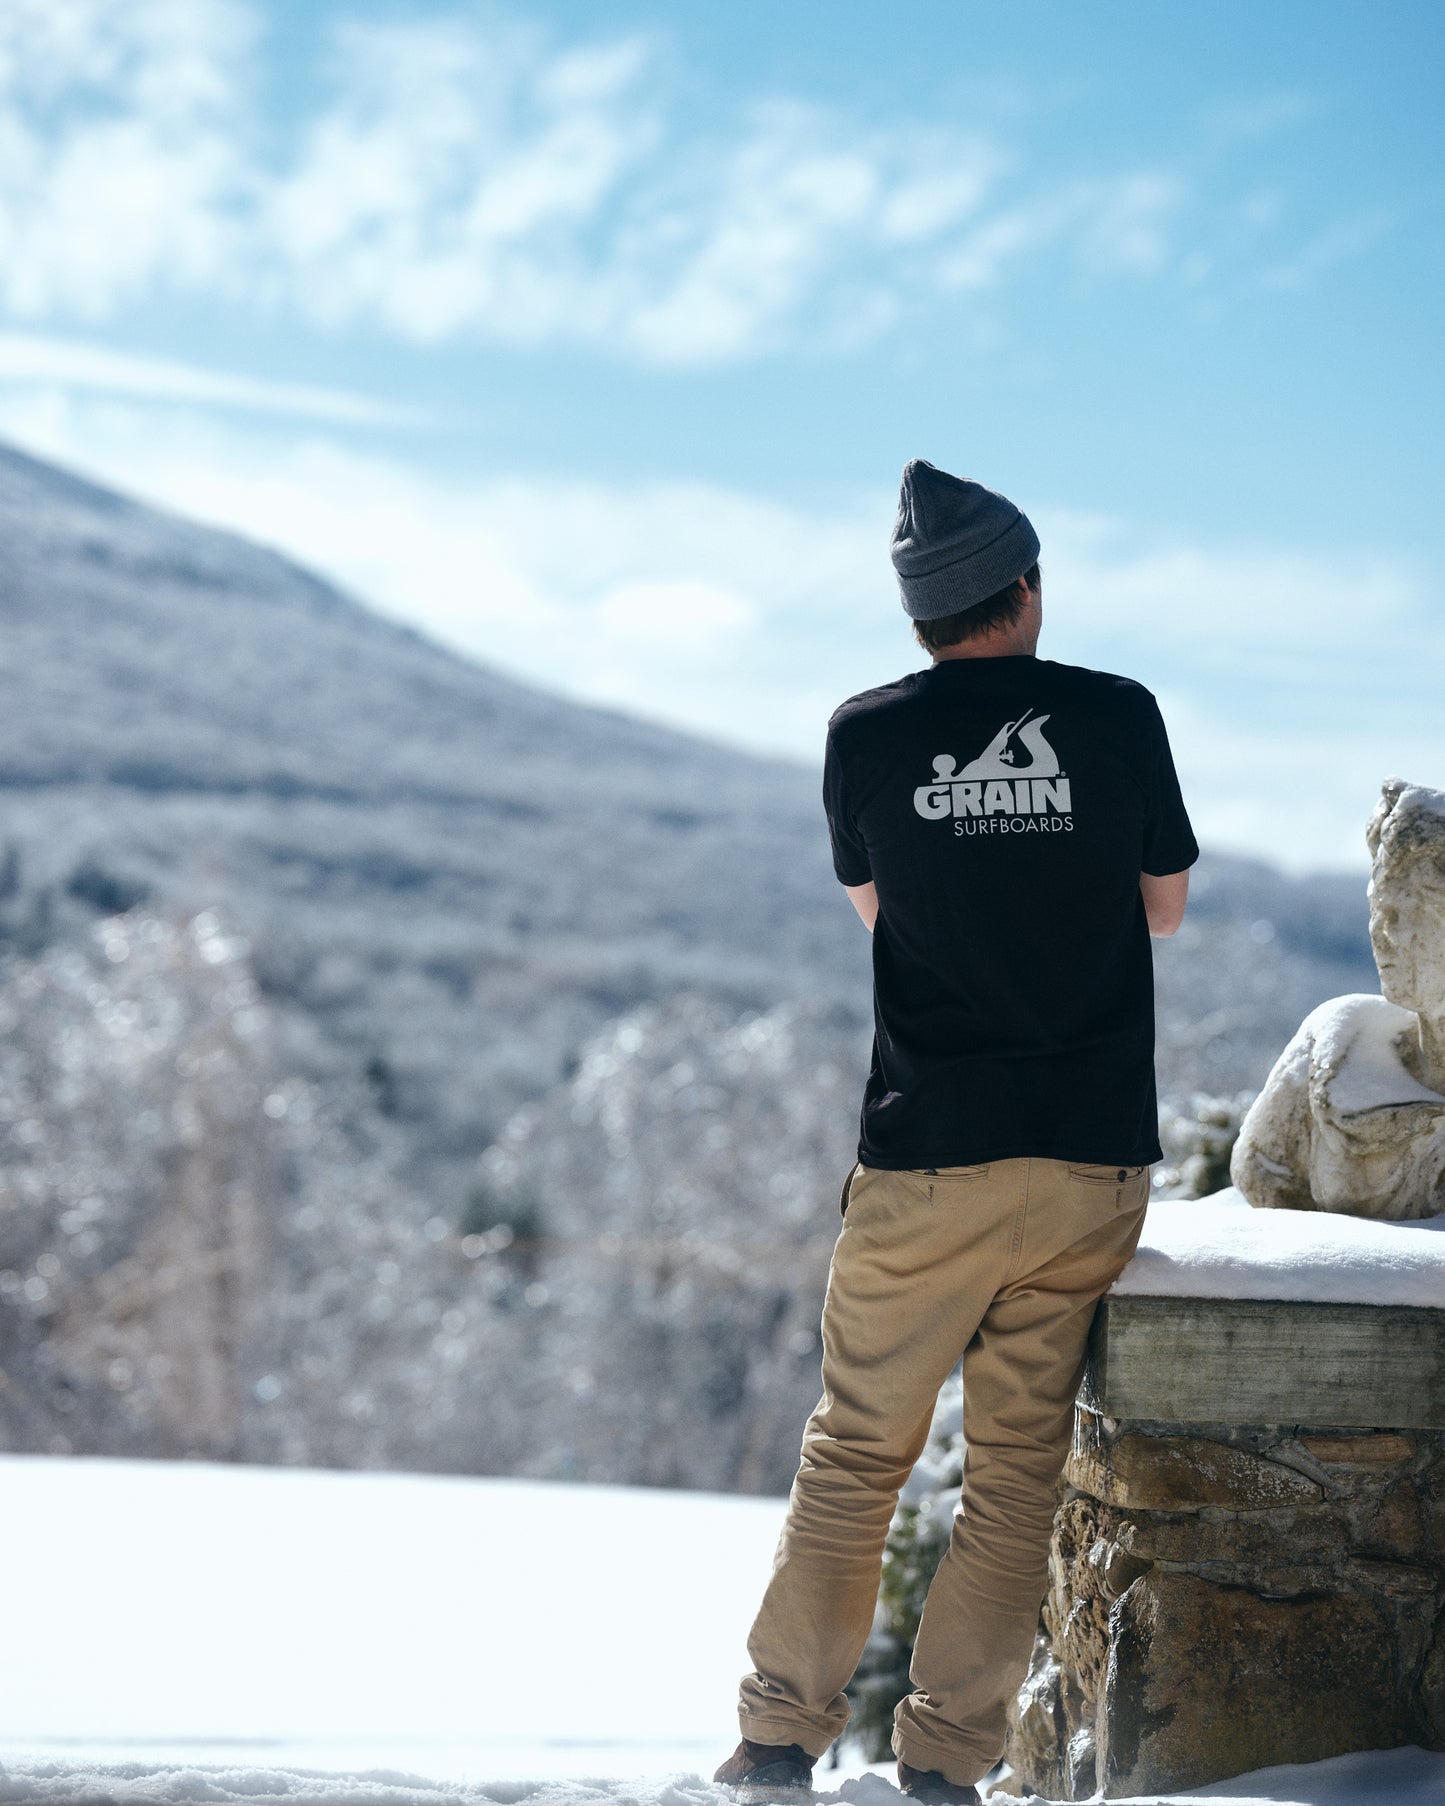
441, 189
446, 178
1340, 242
172, 59
1263, 610
37, 359
980, 258
683, 616
1126, 223
1116, 225
122, 159
923, 205
1292, 683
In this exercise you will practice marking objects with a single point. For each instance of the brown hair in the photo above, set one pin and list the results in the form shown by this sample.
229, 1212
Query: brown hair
1001, 609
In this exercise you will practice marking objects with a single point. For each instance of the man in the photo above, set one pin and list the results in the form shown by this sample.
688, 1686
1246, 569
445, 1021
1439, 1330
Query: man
1011, 830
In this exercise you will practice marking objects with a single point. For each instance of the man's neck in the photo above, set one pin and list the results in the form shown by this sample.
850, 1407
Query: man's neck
986, 648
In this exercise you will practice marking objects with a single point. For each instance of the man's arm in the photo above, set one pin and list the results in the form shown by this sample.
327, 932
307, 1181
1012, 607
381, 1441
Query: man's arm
1164, 900
864, 898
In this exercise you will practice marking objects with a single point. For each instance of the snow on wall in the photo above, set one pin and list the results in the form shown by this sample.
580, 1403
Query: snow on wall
1222, 1247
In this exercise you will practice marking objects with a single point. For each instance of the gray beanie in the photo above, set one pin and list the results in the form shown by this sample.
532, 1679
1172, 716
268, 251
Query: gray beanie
955, 543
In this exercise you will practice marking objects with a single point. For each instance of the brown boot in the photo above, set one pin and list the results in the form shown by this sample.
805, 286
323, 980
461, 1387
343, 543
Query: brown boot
931, 1788
767, 1765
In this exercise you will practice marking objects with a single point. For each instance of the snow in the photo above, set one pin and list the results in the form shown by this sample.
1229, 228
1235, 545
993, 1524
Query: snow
184, 1632
1401, 1777
506, 1622
1356, 1038
1222, 1247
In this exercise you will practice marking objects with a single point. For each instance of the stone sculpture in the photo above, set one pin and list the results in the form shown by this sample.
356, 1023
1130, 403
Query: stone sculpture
1352, 1116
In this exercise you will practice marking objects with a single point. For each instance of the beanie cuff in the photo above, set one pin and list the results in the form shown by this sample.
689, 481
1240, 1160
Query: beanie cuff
972, 577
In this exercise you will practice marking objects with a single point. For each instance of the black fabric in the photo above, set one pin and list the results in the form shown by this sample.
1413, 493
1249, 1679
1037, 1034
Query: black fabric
1004, 808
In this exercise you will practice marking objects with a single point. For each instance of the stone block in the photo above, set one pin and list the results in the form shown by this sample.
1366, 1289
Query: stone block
1432, 1690
1377, 1448
1306, 1534
1180, 1473
1394, 1579
1076, 1608
1037, 1734
1391, 1525
1283, 1580
1117, 1568
1189, 1641
1430, 1489
1207, 1681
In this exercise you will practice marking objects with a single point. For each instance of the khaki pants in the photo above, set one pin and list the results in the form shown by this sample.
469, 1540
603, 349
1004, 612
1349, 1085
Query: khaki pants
1002, 1264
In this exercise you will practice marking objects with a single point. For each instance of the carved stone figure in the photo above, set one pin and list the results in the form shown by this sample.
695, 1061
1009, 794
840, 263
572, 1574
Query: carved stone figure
1352, 1117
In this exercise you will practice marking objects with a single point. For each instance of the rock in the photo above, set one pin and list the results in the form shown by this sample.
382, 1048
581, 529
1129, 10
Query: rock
1395, 1579
1376, 1448
1392, 1527
1037, 1733
1080, 1764
1189, 1642
1117, 1568
1308, 1534
1205, 1682
1212, 1609
1181, 1473
1430, 1489
1076, 1607
1431, 1704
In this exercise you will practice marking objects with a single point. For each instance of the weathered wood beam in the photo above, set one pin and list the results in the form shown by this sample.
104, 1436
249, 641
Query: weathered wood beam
1248, 1361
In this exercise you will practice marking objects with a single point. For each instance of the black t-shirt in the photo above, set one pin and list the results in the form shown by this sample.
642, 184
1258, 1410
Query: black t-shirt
1004, 808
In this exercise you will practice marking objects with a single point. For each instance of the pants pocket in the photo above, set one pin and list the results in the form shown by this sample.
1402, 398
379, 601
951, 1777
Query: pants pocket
1125, 1185
843, 1195
932, 1182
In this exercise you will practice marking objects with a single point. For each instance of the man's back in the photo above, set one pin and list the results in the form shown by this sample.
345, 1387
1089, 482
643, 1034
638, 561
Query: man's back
1012, 832
1004, 808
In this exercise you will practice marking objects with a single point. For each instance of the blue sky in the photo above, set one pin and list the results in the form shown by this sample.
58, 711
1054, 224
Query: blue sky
592, 338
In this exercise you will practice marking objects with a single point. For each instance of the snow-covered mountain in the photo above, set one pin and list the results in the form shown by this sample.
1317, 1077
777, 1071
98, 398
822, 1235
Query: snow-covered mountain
451, 875
315, 938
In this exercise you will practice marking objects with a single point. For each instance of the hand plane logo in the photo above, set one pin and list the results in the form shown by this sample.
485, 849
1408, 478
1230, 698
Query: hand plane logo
1015, 785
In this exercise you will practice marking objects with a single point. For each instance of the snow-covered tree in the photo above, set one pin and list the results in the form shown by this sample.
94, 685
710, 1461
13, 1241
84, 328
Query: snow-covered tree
1197, 1140
682, 1192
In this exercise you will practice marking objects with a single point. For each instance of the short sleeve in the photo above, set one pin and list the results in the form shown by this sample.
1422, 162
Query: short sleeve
1169, 843
850, 855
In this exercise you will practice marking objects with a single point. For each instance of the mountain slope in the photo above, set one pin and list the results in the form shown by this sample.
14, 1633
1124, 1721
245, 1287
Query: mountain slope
532, 1071
450, 878
456, 875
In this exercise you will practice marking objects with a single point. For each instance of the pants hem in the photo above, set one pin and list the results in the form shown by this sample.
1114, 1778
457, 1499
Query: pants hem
757, 1729
954, 1765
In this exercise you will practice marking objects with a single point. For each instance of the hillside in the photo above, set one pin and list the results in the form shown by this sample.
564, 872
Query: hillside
453, 876
332, 962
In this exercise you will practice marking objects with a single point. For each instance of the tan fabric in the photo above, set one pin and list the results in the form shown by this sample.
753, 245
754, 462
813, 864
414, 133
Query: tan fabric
1002, 1264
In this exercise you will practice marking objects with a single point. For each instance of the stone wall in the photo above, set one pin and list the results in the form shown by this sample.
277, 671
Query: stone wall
1224, 1598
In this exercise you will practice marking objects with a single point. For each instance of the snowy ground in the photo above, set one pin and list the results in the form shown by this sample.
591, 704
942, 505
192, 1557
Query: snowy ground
1390, 1778
184, 1632
462, 1627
